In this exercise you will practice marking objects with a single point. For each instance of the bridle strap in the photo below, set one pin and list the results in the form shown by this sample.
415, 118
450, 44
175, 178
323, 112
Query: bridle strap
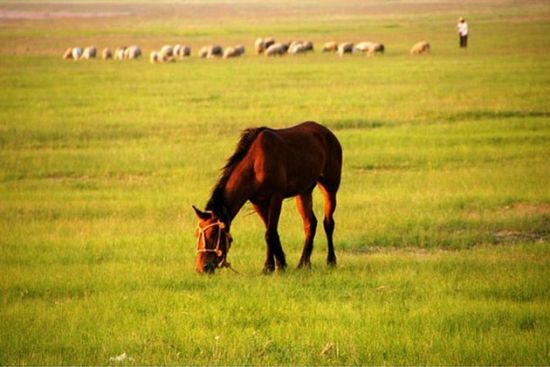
217, 249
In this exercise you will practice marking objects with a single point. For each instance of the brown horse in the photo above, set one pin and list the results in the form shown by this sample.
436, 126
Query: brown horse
268, 166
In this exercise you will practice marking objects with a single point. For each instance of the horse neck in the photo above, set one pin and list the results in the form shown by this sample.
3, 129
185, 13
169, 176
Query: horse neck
239, 187
230, 195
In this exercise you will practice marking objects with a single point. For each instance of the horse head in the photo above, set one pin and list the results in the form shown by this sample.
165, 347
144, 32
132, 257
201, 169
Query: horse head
213, 242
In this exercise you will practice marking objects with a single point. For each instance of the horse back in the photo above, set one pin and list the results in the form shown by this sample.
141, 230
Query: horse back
293, 159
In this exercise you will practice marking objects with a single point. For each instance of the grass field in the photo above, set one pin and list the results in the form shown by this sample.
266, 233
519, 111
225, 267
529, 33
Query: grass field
444, 211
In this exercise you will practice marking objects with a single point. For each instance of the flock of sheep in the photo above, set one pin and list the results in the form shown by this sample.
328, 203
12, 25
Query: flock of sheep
267, 46
121, 53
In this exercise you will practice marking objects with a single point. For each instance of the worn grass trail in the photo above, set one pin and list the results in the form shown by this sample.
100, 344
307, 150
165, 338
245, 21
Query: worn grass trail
441, 229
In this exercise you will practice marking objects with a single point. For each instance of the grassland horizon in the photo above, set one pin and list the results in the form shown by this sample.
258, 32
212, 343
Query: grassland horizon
443, 214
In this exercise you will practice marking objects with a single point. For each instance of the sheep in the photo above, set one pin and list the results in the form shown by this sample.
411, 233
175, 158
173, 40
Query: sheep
295, 49
377, 47
155, 57
68, 54
177, 50
420, 48
259, 46
370, 48
345, 48
89, 53
132, 53
77, 53
211, 51
308, 45
331, 46
167, 51
240, 49
107, 54
185, 51
230, 52
268, 42
119, 53
214, 51
276, 49
233, 51
203, 52
181, 51
298, 47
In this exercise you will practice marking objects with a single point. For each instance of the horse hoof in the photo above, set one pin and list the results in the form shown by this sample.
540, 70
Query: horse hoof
331, 263
304, 265
268, 270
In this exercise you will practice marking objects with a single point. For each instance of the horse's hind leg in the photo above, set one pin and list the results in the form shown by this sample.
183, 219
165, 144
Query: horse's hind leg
304, 203
329, 194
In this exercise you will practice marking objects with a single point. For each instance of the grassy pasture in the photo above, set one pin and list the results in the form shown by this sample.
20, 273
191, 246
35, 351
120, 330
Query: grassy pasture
443, 217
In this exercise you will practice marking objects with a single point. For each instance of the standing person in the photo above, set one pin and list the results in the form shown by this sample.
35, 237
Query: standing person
462, 28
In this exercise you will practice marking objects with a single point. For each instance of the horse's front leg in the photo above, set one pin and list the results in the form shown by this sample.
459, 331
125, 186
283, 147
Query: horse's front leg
263, 212
272, 236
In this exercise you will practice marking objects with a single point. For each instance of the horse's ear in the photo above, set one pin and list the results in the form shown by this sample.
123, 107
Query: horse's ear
202, 215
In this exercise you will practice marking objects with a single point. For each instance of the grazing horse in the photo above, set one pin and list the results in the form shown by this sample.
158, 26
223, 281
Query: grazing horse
268, 166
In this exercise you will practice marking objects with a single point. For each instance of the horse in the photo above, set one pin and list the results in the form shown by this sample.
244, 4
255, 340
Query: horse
268, 166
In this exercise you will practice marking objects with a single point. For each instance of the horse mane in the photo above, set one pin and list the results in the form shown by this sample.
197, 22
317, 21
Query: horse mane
216, 202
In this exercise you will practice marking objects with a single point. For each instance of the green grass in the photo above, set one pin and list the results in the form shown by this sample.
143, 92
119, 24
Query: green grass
443, 218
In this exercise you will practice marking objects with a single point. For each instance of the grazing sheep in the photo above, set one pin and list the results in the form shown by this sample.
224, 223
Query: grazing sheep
155, 57
68, 54
369, 48
211, 51
89, 53
230, 52
276, 49
119, 53
299, 47
240, 49
77, 53
345, 48
203, 52
233, 51
132, 53
177, 50
184, 51
420, 48
294, 44
308, 46
215, 51
268, 42
167, 51
181, 51
259, 46
331, 46
378, 48
107, 54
